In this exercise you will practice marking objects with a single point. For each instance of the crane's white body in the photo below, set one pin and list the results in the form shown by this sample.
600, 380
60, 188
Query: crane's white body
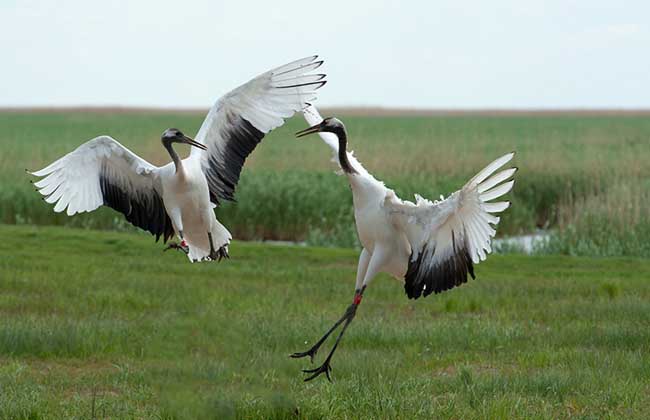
180, 197
426, 236
431, 246
74, 182
384, 245
186, 197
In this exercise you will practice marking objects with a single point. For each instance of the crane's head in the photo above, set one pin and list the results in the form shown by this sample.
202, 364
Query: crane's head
328, 125
174, 135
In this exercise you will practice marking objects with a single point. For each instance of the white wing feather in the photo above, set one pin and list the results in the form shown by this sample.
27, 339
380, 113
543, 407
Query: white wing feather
240, 119
446, 237
102, 171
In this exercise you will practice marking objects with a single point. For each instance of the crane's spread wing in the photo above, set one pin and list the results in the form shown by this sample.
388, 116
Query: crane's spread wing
239, 120
449, 236
103, 172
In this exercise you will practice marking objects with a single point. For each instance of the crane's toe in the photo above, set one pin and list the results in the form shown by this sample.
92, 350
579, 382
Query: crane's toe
324, 368
181, 247
311, 353
223, 252
219, 254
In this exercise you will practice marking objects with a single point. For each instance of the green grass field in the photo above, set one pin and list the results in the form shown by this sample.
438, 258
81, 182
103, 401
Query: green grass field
104, 325
586, 176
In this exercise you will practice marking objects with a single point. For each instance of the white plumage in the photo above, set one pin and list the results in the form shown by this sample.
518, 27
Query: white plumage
429, 245
433, 232
73, 182
180, 196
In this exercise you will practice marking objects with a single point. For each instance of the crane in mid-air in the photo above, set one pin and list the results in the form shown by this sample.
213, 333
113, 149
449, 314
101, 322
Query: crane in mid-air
430, 246
179, 198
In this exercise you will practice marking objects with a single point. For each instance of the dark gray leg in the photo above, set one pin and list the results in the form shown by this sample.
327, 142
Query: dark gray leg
314, 349
220, 254
326, 367
348, 316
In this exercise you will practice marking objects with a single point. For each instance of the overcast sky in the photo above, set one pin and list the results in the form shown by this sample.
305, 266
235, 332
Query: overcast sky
429, 54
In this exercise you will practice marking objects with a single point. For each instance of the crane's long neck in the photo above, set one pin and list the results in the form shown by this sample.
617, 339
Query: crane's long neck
343, 152
175, 158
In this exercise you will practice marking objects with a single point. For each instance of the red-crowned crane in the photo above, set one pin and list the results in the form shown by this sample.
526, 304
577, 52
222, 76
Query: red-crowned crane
180, 196
431, 246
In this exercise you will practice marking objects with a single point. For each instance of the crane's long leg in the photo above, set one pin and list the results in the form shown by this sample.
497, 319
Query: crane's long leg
348, 316
373, 265
177, 222
349, 312
362, 267
326, 367
181, 247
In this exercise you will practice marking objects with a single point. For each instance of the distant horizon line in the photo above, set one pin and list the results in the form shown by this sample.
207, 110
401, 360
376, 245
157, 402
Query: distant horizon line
350, 110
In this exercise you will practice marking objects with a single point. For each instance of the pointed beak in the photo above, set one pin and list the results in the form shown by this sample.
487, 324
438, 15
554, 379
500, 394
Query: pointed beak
194, 143
311, 130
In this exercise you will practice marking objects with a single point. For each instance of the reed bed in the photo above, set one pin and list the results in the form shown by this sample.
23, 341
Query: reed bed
571, 165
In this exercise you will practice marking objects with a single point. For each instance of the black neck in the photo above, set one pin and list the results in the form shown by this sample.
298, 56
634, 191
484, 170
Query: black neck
343, 153
172, 153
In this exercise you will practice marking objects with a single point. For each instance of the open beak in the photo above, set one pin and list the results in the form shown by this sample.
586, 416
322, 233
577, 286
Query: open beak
194, 143
311, 130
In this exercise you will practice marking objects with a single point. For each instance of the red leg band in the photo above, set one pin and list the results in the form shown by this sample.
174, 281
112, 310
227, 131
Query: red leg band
357, 298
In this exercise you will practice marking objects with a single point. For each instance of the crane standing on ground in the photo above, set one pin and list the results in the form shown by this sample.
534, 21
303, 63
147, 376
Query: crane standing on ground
431, 246
180, 196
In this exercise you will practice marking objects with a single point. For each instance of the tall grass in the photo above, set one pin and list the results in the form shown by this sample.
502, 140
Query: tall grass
612, 222
288, 190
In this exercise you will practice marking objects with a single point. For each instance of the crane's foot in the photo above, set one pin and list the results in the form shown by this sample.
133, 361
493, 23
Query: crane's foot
311, 353
220, 254
217, 255
346, 319
325, 368
348, 315
181, 247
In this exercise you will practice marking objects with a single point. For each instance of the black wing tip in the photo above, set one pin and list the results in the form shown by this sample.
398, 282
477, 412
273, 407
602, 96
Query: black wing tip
307, 57
320, 84
313, 64
317, 64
